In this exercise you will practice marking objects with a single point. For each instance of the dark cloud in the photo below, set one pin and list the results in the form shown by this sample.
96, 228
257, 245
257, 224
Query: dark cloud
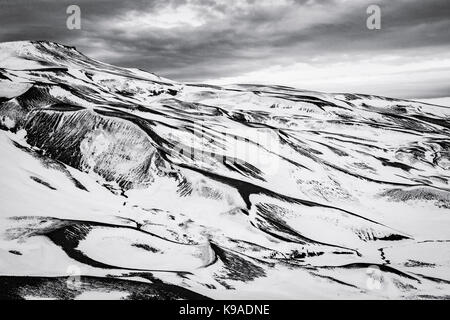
226, 38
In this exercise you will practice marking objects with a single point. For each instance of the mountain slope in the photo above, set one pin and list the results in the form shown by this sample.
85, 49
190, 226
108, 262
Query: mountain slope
118, 172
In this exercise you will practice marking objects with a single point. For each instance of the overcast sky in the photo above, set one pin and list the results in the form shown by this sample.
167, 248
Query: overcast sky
319, 45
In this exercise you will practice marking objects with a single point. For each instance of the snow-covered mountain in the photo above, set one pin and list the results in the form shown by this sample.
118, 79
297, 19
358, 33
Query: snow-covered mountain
117, 183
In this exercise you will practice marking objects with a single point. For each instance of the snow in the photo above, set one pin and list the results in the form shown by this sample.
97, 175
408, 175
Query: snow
274, 192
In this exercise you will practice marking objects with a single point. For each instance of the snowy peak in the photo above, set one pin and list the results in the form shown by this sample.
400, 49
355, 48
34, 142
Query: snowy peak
28, 55
46, 54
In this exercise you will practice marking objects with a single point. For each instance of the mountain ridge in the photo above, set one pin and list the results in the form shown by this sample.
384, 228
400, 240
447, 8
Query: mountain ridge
69, 47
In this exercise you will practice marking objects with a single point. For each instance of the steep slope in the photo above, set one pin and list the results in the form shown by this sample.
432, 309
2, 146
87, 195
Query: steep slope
119, 173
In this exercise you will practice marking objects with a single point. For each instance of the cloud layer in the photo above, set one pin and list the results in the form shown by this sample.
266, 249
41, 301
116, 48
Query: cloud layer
312, 44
